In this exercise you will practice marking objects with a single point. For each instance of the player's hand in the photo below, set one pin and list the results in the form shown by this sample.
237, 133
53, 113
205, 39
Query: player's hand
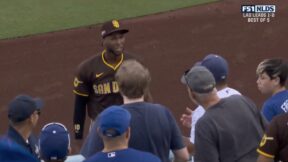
186, 119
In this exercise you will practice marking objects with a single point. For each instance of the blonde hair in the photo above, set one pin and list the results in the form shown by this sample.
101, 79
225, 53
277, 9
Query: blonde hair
133, 79
274, 68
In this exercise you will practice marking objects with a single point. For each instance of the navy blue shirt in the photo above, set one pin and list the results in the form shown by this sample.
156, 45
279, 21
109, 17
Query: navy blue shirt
126, 155
31, 146
153, 129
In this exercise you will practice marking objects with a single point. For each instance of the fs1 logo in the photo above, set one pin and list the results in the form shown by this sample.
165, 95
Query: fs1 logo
258, 8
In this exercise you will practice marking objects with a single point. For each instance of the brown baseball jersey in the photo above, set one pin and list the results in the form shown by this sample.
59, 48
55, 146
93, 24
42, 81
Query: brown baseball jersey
95, 80
274, 143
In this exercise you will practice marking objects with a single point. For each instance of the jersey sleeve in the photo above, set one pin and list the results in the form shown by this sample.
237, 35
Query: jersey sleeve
269, 143
81, 82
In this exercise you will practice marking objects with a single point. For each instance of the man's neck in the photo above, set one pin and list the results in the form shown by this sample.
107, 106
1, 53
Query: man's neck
221, 86
114, 147
134, 100
213, 99
111, 58
24, 131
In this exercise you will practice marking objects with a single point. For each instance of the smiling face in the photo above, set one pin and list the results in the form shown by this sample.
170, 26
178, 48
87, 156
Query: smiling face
114, 43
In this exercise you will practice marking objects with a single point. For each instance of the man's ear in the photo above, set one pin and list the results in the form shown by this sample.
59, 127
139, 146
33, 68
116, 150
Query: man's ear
128, 133
192, 95
277, 80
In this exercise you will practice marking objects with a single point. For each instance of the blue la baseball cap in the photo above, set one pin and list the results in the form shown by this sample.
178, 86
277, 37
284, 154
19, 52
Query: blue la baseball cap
217, 65
22, 106
54, 142
114, 121
10, 151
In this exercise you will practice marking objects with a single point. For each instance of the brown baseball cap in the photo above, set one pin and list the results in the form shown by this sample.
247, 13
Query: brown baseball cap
111, 27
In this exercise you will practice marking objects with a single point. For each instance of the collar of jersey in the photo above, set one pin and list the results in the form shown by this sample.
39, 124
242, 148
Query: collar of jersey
109, 65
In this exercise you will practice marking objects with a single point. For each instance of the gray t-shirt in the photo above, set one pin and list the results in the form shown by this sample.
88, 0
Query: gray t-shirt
229, 131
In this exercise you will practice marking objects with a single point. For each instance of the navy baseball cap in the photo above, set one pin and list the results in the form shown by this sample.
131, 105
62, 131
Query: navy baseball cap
22, 106
114, 121
217, 65
111, 27
54, 142
10, 151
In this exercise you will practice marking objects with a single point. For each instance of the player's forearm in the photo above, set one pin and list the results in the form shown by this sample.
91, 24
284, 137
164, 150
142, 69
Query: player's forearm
79, 116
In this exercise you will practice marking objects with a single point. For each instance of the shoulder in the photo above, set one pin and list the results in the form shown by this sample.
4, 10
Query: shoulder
279, 97
139, 58
206, 123
198, 112
270, 102
97, 157
238, 98
233, 91
281, 119
153, 106
145, 156
90, 61
226, 92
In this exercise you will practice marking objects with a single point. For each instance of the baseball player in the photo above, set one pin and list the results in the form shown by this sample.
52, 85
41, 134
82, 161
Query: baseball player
218, 66
94, 83
274, 143
272, 76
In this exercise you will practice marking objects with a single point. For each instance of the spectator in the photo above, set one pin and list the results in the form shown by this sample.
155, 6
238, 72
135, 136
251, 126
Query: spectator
218, 66
54, 143
114, 129
274, 144
12, 152
220, 131
153, 127
23, 114
272, 76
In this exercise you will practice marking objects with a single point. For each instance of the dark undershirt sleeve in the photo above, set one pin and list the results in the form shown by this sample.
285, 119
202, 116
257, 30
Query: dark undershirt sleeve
79, 115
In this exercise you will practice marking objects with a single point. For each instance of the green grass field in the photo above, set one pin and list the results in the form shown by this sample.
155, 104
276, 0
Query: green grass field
28, 17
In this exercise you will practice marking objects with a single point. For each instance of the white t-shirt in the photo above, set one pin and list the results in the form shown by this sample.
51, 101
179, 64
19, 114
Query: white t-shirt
199, 111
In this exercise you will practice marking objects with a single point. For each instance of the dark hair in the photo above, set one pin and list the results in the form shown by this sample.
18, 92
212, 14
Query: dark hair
274, 68
133, 79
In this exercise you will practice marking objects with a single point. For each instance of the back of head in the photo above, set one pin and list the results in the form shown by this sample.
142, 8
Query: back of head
200, 80
274, 68
54, 142
114, 121
217, 65
12, 152
133, 79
